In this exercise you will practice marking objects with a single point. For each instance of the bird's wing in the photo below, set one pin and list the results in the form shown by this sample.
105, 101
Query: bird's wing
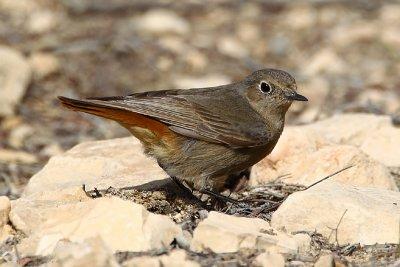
224, 117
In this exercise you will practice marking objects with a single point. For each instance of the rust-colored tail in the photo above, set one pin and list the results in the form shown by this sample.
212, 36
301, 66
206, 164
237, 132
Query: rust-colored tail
127, 118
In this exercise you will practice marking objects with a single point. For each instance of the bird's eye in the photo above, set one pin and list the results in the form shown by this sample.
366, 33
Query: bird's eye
265, 87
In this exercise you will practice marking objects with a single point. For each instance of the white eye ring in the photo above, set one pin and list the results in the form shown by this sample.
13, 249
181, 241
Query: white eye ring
265, 87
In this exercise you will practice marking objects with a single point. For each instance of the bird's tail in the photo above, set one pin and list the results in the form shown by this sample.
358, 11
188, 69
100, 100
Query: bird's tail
129, 119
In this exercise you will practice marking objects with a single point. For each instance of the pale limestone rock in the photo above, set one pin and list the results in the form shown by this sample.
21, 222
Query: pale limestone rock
374, 134
19, 8
391, 35
225, 233
19, 134
316, 90
101, 164
122, 225
159, 21
91, 252
5, 207
309, 153
386, 100
15, 156
269, 259
325, 261
42, 21
300, 17
324, 61
196, 59
344, 35
232, 47
303, 242
372, 216
15, 75
144, 261
174, 44
307, 159
177, 258
44, 64
6, 232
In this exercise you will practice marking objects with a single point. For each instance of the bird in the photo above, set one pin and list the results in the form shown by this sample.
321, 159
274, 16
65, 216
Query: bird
202, 137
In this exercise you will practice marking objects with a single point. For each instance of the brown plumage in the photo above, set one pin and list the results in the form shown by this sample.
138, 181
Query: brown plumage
203, 136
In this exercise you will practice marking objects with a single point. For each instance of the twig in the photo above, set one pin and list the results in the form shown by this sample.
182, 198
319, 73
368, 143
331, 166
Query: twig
329, 176
336, 229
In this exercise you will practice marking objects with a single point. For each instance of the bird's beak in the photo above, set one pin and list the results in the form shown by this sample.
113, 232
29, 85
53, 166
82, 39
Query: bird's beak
297, 97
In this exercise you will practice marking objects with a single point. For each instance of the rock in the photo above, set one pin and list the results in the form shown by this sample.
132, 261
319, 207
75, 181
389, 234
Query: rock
5, 230
51, 150
301, 17
325, 261
309, 153
232, 47
143, 261
248, 32
297, 264
15, 75
186, 82
5, 207
345, 35
121, 224
373, 134
43, 64
303, 242
307, 158
101, 164
13, 156
391, 35
269, 259
324, 61
316, 90
369, 215
386, 101
20, 8
42, 21
223, 233
6, 233
177, 258
91, 252
174, 44
19, 134
159, 21
196, 60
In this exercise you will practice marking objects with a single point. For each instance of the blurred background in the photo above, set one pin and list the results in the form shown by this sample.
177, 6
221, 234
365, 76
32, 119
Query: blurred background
344, 55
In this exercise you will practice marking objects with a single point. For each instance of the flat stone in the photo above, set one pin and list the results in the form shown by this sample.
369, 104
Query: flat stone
43, 64
325, 261
91, 252
15, 76
370, 215
223, 233
121, 224
159, 21
101, 164
269, 259
16, 156
309, 153
373, 134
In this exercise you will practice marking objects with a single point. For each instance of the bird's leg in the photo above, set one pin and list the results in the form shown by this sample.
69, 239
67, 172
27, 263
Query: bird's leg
218, 196
187, 191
